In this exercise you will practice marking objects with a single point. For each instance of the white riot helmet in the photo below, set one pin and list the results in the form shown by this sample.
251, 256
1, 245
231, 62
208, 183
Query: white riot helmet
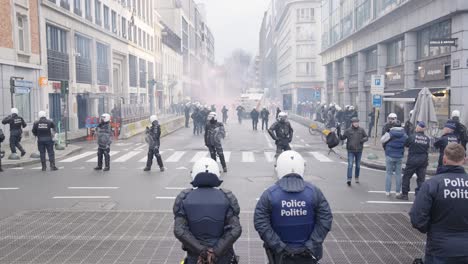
282, 116
455, 113
290, 162
392, 117
105, 117
205, 165
14, 111
153, 118
41, 114
212, 116
351, 107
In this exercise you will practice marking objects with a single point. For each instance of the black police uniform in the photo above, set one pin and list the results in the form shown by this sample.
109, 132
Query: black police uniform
293, 219
442, 142
207, 217
187, 115
104, 134
418, 158
2, 153
265, 115
441, 210
196, 121
460, 131
153, 136
409, 128
42, 130
16, 130
254, 115
282, 134
214, 132
224, 111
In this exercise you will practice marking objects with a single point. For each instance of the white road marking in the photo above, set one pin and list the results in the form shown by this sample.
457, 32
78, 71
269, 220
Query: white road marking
9, 188
270, 156
268, 140
248, 156
176, 188
199, 155
81, 197
387, 202
227, 156
112, 153
176, 156
307, 145
80, 156
127, 156
303, 141
165, 197
17, 168
382, 192
181, 168
297, 136
93, 188
320, 157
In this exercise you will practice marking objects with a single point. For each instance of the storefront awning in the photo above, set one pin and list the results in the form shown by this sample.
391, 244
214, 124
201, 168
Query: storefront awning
410, 95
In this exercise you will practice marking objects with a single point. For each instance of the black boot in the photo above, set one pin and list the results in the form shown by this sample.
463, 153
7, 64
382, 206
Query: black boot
402, 197
52, 166
1, 170
44, 166
107, 168
147, 168
98, 168
223, 162
160, 162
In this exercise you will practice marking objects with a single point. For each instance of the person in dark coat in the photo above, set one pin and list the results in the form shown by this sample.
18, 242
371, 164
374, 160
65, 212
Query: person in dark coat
282, 133
187, 108
394, 144
104, 140
240, 112
460, 129
440, 210
448, 137
418, 159
392, 120
356, 137
224, 111
254, 114
292, 217
2, 153
371, 116
196, 116
265, 115
42, 129
153, 138
206, 218
409, 126
278, 111
214, 133
17, 124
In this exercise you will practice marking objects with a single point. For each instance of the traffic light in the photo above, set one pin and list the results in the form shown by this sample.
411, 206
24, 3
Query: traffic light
64, 87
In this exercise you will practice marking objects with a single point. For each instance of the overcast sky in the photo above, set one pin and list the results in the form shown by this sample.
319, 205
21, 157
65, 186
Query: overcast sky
235, 24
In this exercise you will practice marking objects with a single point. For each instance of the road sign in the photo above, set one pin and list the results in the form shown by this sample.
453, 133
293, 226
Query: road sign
317, 95
377, 101
22, 83
377, 84
22, 90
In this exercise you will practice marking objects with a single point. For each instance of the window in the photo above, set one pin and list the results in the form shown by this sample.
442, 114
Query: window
88, 10
143, 73
130, 34
150, 71
21, 32
139, 8
77, 7
124, 28
152, 44
363, 13
65, 4
57, 56
97, 11
83, 59
133, 99
353, 65
304, 32
347, 8
144, 40
304, 51
340, 69
102, 53
305, 68
371, 60
305, 14
395, 53
385, 5
106, 17
114, 21
56, 39
139, 38
439, 30
132, 70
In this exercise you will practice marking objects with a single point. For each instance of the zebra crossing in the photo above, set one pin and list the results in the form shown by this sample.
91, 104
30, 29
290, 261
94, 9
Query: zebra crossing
176, 156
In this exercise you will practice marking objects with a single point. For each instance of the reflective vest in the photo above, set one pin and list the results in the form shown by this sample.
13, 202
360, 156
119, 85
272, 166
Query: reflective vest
293, 216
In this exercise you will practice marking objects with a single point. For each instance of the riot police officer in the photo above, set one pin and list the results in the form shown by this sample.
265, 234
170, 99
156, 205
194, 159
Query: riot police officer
392, 121
104, 138
254, 115
45, 141
265, 115
224, 111
292, 217
206, 218
282, 133
153, 136
214, 133
418, 158
447, 138
17, 124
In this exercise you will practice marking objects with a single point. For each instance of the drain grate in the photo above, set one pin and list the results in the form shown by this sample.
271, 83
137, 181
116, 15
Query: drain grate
72, 236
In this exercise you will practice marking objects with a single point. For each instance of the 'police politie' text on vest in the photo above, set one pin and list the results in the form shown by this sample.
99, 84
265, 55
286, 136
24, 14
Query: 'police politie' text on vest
456, 189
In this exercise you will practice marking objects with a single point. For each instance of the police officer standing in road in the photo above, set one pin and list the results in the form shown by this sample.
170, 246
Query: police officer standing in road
282, 133
224, 111
17, 124
447, 138
418, 159
254, 115
460, 129
214, 133
440, 210
153, 138
292, 217
206, 218
265, 115
45, 140
104, 139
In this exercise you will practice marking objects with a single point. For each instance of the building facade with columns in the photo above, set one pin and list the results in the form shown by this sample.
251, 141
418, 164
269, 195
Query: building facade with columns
391, 38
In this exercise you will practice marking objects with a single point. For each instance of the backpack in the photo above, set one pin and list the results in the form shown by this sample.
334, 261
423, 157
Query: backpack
332, 140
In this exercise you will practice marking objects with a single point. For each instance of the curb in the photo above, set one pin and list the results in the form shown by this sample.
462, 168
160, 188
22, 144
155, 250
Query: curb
31, 162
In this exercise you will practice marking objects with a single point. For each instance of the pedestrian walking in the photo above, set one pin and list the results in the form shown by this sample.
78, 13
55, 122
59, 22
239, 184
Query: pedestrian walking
282, 133
392, 121
206, 217
394, 144
356, 137
371, 116
104, 140
440, 210
153, 138
448, 137
214, 133
278, 111
254, 114
460, 130
2, 153
224, 111
292, 217
409, 126
240, 112
418, 159
187, 114
44, 129
265, 115
17, 124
